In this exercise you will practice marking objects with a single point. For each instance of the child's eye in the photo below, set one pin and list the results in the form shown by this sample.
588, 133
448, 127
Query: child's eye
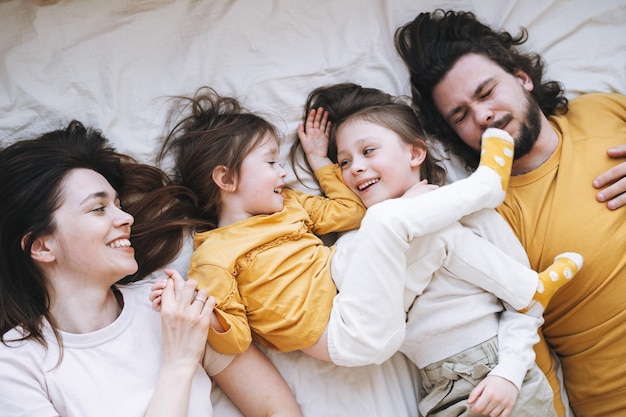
344, 164
367, 151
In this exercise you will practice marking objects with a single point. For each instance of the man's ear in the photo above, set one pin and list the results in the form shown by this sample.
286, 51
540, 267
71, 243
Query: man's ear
41, 250
524, 79
418, 154
224, 179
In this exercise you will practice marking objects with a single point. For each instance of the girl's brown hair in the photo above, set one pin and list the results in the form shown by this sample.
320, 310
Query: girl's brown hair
217, 131
346, 101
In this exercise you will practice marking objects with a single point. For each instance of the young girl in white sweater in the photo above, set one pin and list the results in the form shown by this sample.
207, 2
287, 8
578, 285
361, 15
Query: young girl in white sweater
416, 291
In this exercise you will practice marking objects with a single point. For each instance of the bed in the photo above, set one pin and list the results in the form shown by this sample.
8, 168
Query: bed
113, 64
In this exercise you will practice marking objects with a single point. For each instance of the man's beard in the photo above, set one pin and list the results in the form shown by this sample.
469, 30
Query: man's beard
529, 128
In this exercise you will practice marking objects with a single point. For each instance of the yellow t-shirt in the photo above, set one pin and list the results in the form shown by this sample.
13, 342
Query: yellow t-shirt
552, 210
270, 274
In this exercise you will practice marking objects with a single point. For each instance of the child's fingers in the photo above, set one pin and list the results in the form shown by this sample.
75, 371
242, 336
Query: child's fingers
301, 132
159, 284
318, 117
474, 394
156, 304
310, 119
155, 293
324, 120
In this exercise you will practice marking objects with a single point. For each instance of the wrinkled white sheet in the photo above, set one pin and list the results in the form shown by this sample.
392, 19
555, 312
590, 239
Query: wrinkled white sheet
111, 64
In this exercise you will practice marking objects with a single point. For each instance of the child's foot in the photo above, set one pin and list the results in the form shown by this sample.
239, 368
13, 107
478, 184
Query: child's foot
494, 169
565, 266
496, 152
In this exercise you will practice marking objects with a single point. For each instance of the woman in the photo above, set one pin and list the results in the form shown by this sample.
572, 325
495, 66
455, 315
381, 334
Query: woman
73, 341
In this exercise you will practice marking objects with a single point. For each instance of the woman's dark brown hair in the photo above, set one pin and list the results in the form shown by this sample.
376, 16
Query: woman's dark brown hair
31, 178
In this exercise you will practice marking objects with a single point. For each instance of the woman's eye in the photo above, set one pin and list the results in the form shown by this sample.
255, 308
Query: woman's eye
99, 208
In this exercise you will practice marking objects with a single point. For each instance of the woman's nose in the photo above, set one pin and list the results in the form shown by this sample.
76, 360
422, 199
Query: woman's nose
124, 218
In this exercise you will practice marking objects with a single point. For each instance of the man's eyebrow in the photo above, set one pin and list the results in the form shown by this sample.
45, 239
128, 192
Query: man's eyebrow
477, 91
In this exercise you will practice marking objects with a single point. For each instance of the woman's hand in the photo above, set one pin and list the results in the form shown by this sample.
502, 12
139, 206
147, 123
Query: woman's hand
185, 317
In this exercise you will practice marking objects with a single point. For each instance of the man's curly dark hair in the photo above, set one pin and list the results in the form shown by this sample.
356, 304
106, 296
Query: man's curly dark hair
432, 43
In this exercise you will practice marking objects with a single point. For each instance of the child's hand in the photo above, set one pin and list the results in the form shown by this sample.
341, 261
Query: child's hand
421, 187
493, 396
314, 138
156, 293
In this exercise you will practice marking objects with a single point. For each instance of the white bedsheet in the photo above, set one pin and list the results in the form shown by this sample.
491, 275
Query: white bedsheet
111, 64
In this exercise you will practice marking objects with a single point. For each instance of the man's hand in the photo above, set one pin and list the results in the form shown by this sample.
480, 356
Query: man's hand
614, 180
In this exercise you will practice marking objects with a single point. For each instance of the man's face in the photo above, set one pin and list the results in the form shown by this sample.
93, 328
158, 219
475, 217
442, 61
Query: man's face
477, 94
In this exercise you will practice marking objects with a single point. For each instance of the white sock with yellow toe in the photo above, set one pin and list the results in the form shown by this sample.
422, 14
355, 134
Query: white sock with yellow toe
565, 266
496, 159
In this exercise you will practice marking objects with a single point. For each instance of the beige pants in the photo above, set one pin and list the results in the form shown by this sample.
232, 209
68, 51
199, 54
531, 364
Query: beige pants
447, 384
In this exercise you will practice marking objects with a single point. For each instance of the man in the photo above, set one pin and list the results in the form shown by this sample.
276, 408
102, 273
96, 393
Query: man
465, 77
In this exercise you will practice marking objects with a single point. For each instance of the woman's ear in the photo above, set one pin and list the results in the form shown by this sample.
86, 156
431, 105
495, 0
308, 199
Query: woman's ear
418, 154
41, 250
224, 179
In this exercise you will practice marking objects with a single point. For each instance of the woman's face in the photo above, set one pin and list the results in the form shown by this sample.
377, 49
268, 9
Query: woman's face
92, 232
